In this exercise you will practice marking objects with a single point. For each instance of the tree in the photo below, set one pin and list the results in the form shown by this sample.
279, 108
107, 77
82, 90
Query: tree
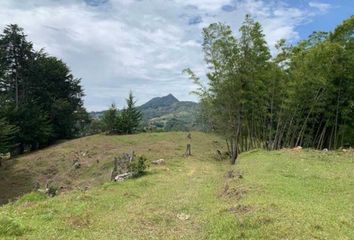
236, 98
39, 94
59, 93
16, 55
130, 117
303, 96
110, 120
33, 124
7, 133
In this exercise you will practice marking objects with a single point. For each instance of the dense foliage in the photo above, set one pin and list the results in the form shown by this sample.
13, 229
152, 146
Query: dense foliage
40, 98
303, 96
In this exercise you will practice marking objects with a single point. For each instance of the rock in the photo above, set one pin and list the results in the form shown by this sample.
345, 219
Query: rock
325, 150
158, 162
183, 216
122, 177
344, 150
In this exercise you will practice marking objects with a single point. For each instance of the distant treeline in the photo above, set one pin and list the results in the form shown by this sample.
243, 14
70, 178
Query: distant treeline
40, 99
301, 96
113, 121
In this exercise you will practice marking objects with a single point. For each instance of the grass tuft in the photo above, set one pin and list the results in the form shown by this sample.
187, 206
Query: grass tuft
9, 227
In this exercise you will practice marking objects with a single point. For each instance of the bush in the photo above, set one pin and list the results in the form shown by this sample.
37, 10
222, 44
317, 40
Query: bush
9, 227
138, 166
52, 191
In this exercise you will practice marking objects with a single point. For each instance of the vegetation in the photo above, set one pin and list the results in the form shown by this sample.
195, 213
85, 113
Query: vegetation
138, 166
40, 98
131, 116
7, 131
285, 194
110, 120
303, 96
124, 122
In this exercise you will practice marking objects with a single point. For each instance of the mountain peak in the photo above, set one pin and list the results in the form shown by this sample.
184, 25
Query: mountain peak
160, 101
171, 97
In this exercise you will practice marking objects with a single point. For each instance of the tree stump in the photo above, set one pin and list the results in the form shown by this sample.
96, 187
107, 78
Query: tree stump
188, 151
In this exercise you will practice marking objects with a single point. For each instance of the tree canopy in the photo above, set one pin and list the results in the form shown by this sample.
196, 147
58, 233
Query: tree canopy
39, 95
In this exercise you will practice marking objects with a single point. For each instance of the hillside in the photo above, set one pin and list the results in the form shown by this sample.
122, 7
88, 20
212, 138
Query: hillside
160, 102
166, 113
284, 194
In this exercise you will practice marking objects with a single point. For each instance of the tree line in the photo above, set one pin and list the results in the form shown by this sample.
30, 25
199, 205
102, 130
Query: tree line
303, 95
40, 99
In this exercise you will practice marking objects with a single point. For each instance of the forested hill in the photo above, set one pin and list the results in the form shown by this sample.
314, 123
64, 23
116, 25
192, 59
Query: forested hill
166, 113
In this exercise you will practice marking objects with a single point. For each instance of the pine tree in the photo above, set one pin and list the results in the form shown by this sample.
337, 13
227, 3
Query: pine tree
110, 120
131, 116
16, 56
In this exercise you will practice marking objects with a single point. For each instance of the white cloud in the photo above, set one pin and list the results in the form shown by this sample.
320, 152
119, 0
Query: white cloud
207, 5
322, 7
118, 45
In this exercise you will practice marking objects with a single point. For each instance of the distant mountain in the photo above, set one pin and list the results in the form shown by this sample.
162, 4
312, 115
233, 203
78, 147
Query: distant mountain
169, 114
166, 113
160, 102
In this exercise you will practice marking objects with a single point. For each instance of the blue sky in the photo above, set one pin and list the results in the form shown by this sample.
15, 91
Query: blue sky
143, 45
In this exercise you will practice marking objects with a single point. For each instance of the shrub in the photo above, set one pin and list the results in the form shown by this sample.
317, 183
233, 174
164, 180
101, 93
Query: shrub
52, 191
138, 166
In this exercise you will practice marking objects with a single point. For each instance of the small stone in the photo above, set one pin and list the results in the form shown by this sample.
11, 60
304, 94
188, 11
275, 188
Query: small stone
158, 162
183, 216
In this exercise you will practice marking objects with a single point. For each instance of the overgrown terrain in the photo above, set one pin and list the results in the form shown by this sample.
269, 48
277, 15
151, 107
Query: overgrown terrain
286, 194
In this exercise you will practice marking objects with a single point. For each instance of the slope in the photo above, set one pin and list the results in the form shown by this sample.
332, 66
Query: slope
281, 195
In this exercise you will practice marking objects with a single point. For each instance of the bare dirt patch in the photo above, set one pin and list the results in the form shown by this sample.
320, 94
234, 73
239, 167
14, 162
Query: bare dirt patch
236, 192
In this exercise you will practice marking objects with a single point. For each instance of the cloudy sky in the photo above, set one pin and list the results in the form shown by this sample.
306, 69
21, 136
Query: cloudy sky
143, 45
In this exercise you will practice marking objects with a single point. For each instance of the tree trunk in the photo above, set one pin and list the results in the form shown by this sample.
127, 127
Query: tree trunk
234, 152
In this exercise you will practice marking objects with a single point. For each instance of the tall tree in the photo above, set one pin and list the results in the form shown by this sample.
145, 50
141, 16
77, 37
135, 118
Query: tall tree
59, 93
16, 55
131, 116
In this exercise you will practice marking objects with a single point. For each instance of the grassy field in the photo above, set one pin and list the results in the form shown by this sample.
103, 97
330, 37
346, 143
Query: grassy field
282, 194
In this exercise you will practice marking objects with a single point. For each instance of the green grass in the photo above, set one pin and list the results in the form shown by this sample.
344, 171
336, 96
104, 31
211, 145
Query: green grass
282, 195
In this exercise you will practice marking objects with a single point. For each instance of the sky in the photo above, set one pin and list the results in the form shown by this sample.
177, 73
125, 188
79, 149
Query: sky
115, 46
